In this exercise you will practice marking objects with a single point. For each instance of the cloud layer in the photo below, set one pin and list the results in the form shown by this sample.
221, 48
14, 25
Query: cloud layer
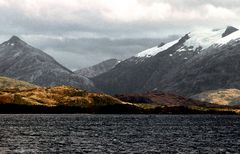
82, 52
111, 19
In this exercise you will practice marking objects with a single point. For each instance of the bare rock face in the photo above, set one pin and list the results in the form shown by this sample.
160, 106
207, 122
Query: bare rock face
21, 61
98, 69
229, 30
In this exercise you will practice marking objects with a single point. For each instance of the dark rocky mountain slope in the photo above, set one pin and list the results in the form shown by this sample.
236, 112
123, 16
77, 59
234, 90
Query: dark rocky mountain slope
199, 61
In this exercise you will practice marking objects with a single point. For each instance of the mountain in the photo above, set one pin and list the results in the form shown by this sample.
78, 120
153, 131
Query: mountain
98, 69
220, 97
186, 66
23, 62
215, 68
8, 83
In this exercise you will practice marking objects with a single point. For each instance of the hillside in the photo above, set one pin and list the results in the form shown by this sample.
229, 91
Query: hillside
160, 99
54, 96
220, 97
63, 99
8, 83
160, 102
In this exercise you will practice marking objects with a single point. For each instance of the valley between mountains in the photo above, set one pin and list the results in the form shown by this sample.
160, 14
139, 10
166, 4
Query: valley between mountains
195, 74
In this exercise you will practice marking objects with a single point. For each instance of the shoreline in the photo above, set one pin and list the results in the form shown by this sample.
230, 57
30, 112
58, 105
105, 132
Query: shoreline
109, 109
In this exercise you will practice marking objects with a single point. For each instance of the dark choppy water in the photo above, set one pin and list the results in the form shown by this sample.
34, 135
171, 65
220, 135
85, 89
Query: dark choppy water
119, 134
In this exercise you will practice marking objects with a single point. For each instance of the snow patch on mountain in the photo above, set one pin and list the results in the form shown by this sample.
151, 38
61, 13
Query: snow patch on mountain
202, 39
155, 50
198, 40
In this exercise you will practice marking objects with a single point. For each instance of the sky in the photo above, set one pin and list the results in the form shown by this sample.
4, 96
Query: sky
80, 33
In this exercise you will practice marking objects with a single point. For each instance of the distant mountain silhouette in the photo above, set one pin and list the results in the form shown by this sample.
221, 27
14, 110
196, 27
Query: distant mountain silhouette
98, 69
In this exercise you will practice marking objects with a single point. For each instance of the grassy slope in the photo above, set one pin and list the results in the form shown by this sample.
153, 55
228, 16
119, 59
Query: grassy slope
64, 98
220, 97
8, 83
18, 96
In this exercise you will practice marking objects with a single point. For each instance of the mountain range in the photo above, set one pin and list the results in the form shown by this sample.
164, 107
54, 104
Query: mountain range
192, 74
199, 61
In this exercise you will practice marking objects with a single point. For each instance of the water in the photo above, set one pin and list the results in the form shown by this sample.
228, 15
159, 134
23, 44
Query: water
119, 134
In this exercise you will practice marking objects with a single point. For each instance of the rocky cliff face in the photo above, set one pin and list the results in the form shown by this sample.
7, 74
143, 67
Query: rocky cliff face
24, 62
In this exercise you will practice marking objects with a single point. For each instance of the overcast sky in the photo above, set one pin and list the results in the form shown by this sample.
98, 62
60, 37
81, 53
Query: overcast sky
79, 33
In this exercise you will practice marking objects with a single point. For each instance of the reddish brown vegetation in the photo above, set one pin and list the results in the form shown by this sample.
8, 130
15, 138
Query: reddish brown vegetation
160, 98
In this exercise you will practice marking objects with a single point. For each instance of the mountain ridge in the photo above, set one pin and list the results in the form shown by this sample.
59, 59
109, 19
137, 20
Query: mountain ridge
160, 71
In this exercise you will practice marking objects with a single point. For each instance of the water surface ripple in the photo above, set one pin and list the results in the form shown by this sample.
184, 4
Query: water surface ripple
79, 133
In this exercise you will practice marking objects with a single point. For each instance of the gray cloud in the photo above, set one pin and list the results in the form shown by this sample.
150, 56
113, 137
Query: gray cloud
82, 52
104, 19
83, 32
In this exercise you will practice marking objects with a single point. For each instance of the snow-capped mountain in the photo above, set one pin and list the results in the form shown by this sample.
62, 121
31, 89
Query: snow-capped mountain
197, 41
98, 69
179, 66
216, 68
24, 62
